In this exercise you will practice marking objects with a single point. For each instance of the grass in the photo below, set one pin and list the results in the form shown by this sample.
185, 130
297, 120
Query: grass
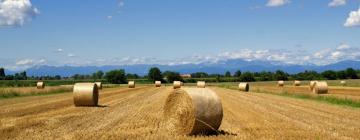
325, 99
12, 94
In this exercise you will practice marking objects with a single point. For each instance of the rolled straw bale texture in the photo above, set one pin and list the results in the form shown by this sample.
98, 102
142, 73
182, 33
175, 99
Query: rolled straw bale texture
85, 94
190, 111
201, 84
131, 84
40, 85
297, 83
280, 83
343, 83
320, 88
157, 83
177, 84
244, 87
99, 85
312, 84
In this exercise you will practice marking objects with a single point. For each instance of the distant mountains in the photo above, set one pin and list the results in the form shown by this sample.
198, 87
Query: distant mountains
218, 67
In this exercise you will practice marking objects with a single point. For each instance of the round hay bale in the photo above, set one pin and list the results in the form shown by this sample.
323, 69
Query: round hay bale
297, 83
312, 84
280, 83
201, 84
191, 111
40, 85
320, 87
131, 84
177, 84
99, 85
343, 83
85, 94
244, 86
182, 83
157, 83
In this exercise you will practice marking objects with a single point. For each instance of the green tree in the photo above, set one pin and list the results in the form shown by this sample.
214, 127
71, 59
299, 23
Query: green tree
172, 76
199, 75
341, 74
266, 76
281, 75
2, 74
329, 74
132, 76
155, 74
227, 74
237, 73
116, 76
351, 73
247, 77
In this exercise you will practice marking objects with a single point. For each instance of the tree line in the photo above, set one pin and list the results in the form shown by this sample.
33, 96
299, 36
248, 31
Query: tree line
155, 74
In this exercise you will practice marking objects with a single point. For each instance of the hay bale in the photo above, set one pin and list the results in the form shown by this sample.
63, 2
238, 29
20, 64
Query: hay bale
312, 84
201, 84
85, 94
157, 83
280, 83
343, 83
297, 83
320, 87
191, 111
244, 86
177, 84
40, 85
131, 84
182, 83
99, 85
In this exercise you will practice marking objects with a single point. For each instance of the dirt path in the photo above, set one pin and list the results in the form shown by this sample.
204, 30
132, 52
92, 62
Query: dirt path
137, 114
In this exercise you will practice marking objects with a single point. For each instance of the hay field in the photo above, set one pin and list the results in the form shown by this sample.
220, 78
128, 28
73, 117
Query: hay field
138, 114
349, 92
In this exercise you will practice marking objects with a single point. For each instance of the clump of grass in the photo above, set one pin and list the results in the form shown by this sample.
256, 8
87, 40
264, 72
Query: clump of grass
12, 94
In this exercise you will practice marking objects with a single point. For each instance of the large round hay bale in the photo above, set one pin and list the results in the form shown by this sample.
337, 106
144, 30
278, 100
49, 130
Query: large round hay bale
99, 85
320, 87
312, 84
280, 83
297, 83
201, 84
343, 83
177, 84
131, 84
244, 86
157, 83
85, 94
40, 85
190, 111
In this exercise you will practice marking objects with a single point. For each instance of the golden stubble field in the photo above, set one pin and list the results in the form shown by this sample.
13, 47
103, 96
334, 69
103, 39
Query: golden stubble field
138, 114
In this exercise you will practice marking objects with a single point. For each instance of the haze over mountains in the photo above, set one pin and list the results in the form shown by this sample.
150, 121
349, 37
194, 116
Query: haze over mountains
218, 67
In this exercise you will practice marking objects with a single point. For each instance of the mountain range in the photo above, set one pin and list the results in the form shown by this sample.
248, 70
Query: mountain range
209, 67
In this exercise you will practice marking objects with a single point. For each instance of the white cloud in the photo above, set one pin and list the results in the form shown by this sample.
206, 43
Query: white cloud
59, 50
343, 46
335, 3
120, 3
353, 19
16, 12
276, 3
109, 17
71, 55
25, 62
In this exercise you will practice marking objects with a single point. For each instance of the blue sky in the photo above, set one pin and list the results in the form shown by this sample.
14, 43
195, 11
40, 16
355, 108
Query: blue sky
104, 32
